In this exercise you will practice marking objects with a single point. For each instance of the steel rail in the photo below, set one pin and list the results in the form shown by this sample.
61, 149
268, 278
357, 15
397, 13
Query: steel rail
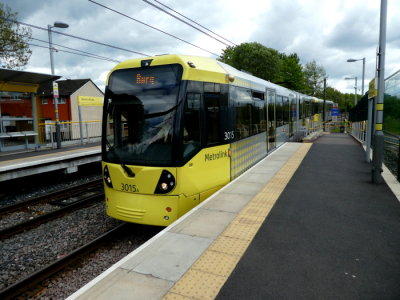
29, 224
35, 278
56, 194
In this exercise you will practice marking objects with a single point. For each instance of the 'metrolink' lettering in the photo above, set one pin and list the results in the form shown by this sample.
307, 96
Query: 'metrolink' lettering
215, 156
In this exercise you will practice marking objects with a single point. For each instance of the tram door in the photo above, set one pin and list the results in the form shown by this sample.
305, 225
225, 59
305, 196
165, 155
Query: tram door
293, 115
271, 120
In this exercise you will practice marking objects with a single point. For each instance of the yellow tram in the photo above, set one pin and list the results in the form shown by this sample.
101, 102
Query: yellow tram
178, 128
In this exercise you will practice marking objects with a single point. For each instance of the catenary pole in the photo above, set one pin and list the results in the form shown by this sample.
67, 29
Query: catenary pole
378, 138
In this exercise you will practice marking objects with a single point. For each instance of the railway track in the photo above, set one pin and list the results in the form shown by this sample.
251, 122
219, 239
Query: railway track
72, 191
66, 201
27, 285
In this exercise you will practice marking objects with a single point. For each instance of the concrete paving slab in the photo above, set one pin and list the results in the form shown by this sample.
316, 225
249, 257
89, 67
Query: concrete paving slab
244, 188
281, 156
255, 177
125, 285
228, 202
269, 163
169, 257
204, 223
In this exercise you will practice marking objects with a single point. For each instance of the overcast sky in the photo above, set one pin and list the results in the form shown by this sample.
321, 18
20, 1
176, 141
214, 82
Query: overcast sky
327, 31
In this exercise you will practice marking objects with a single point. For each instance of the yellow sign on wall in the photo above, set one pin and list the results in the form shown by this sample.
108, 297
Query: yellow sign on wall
90, 101
372, 91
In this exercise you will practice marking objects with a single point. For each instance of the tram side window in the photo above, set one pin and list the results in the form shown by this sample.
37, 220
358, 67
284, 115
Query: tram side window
302, 113
258, 113
279, 111
271, 119
293, 108
242, 100
315, 108
213, 128
271, 111
191, 126
307, 108
285, 110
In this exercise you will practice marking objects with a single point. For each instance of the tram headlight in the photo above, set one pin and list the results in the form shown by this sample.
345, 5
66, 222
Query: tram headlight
107, 177
166, 183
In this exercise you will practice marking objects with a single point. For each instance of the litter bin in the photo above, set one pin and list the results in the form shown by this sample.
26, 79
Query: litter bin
341, 129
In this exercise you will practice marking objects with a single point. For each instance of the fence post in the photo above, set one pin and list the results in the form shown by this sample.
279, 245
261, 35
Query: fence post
51, 136
87, 133
364, 131
369, 130
80, 124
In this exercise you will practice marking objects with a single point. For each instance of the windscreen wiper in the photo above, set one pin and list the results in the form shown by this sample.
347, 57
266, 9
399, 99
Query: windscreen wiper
128, 171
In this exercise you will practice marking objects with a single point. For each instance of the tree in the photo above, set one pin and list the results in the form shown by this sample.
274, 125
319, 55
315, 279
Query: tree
285, 70
254, 58
14, 48
292, 75
391, 115
314, 78
333, 95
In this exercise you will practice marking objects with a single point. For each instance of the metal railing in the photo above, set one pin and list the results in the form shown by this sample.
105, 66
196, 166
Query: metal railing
72, 133
359, 131
391, 146
391, 153
336, 126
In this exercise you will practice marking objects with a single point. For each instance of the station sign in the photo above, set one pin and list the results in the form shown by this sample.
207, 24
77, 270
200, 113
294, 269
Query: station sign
90, 101
335, 112
55, 90
372, 91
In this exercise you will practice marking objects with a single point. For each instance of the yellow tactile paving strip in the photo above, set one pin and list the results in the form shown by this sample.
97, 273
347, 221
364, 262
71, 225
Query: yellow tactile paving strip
208, 274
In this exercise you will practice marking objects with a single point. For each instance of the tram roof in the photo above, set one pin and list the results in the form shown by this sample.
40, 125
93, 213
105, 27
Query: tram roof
207, 69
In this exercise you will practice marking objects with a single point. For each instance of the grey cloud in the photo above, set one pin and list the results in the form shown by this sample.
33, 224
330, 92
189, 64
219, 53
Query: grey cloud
290, 26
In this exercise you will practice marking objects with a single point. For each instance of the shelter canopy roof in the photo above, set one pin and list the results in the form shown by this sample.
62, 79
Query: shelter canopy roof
22, 81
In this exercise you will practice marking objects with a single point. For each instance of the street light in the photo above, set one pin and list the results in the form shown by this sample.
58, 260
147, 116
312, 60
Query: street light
58, 25
355, 88
363, 72
55, 96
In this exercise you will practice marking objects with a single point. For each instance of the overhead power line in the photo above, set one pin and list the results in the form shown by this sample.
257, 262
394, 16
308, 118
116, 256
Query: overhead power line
81, 54
77, 50
143, 23
187, 23
74, 36
178, 13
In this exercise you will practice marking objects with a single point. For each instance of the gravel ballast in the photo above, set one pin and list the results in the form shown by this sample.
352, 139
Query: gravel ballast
30, 251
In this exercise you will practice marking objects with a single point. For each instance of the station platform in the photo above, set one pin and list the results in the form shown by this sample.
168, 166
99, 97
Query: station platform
304, 223
26, 163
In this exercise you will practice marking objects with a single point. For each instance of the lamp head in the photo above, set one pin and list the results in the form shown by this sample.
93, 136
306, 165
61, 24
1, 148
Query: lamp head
60, 25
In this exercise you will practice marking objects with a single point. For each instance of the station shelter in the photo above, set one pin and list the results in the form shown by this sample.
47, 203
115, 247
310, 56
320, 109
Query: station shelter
18, 108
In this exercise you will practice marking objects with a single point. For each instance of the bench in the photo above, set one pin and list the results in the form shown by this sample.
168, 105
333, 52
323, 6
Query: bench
25, 134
